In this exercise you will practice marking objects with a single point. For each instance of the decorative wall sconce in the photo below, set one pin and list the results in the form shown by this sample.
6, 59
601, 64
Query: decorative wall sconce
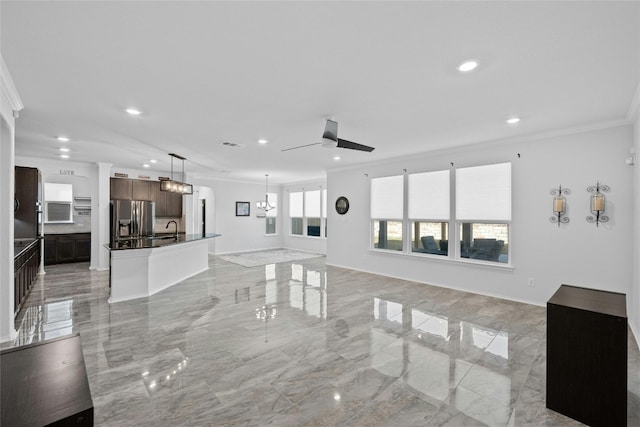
559, 205
597, 203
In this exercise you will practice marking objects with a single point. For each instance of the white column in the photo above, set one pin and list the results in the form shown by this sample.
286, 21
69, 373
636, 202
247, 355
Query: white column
100, 199
10, 105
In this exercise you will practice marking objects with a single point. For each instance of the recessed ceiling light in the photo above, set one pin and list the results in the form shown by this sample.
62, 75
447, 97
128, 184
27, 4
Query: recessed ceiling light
65, 150
153, 161
64, 156
133, 111
513, 120
467, 66
336, 157
62, 139
145, 165
262, 141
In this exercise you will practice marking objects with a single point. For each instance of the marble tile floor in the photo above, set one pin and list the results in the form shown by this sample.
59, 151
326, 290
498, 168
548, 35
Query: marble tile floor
302, 344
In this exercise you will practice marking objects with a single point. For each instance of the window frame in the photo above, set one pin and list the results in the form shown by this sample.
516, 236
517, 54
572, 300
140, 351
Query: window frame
454, 253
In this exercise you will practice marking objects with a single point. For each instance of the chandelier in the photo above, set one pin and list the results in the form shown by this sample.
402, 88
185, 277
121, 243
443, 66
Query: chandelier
264, 204
172, 186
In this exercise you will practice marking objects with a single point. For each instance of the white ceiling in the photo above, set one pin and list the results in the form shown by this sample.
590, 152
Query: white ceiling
208, 72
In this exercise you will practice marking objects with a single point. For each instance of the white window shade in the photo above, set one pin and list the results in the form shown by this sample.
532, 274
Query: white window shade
273, 201
429, 195
484, 193
312, 204
387, 197
324, 203
295, 205
58, 192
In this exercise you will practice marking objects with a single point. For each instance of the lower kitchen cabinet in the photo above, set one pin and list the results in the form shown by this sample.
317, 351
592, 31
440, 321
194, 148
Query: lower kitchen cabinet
63, 248
26, 266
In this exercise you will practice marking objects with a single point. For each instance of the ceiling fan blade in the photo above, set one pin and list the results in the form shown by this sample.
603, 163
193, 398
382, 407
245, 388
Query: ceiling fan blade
301, 146
331, 130
343, 143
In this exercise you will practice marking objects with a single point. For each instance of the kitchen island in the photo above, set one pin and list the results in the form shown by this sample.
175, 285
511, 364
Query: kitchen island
142, 267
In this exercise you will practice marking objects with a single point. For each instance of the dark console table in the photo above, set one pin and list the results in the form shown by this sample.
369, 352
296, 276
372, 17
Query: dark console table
46, 384
587, 355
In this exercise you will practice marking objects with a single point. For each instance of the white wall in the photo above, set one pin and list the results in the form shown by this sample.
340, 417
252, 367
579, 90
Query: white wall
634, 318
316, 245
577, 253
240, 234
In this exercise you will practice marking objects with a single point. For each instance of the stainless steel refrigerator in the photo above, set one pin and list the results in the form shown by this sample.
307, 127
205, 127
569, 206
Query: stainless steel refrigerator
132, 219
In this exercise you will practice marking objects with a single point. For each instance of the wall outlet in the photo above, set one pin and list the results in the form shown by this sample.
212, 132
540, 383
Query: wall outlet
531, 282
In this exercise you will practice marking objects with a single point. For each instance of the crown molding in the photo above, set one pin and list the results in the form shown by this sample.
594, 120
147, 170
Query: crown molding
6, 83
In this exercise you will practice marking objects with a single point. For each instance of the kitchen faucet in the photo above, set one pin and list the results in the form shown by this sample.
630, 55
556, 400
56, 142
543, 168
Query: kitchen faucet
172, 221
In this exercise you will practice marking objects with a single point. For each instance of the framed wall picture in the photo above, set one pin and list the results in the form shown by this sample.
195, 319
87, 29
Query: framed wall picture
242, 208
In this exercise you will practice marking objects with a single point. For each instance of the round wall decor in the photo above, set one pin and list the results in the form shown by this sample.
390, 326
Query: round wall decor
342, 205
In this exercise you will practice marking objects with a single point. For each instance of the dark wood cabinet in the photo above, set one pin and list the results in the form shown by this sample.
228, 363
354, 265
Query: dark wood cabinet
160, 197
50, 256
27, 196
141, 190
587, 355
63, 248
83, 247
121, 188
26, 266
168, 205
174, 205
46, 384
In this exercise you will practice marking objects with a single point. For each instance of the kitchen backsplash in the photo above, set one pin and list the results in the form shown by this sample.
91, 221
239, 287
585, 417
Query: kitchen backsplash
81, 224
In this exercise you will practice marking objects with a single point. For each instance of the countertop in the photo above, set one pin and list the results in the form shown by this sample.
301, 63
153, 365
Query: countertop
21, 245
158, 241
605, 302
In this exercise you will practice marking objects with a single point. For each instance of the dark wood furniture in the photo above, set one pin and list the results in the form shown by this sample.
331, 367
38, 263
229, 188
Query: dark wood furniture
63, 248
587, 355
168, 205
27, 195
46, 384
26, 263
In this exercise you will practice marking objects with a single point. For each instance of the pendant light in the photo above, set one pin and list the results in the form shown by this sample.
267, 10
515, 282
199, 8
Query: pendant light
173, 186
264, 204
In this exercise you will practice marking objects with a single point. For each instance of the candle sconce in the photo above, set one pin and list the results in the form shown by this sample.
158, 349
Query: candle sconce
559, 205
597, 204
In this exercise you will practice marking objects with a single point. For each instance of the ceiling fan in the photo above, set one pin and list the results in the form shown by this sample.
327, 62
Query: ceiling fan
330, 140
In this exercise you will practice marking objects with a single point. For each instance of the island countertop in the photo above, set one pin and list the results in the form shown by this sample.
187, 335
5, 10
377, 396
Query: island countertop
158, 241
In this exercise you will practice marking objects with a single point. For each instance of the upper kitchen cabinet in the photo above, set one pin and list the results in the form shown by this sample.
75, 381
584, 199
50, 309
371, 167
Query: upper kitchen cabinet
174, 205
168, 205
27, 203
121, 188
141, 189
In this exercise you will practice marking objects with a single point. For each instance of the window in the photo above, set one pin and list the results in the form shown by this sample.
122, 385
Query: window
387, 205
308, 212
312, 210
296, 212
324, 210
428, 203
272, 214
483, 211
479, 223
